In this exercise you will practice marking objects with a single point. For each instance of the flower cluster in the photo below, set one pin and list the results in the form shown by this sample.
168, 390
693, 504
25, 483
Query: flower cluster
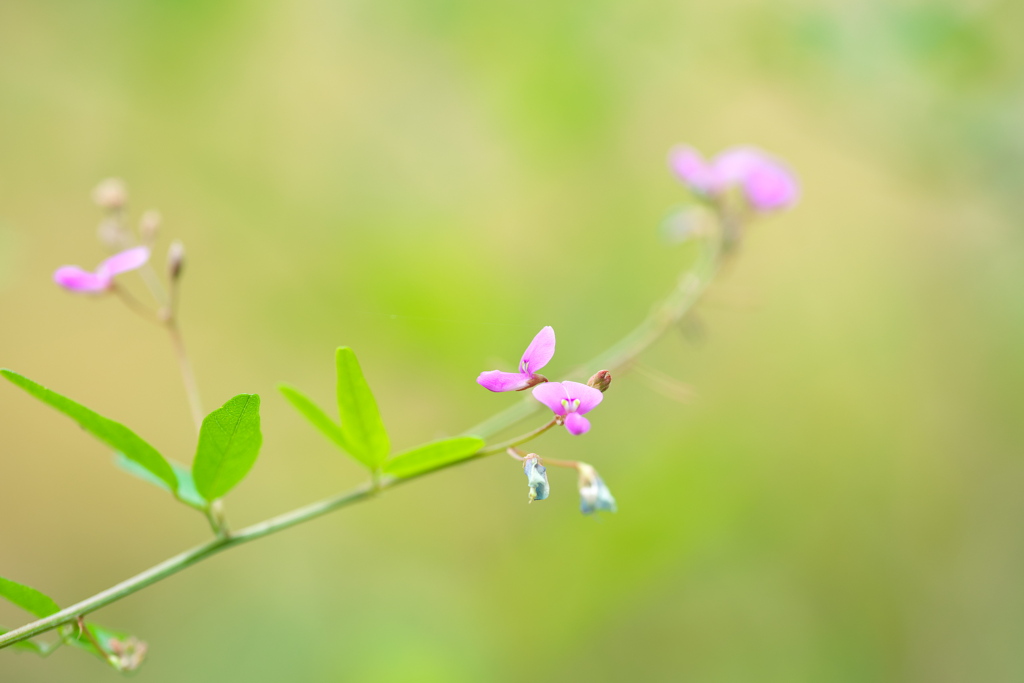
766, 183
569, 401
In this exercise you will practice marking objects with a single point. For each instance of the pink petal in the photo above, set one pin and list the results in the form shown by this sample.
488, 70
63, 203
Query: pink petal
539, 352
588, 397
129, 259
733, 165
770, 186
496, 380
78, 280
577, 424
689, 165
552, 394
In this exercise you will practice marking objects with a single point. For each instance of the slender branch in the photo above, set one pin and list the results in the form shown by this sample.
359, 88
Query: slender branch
571, 464
682, 298
187, 375
134, 304
519, 440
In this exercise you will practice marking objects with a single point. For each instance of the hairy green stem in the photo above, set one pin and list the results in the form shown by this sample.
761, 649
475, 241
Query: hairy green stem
671, 310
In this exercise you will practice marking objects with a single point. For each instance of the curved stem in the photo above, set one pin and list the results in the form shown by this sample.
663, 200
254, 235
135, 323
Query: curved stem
134, 304
519, 440
83, 628
682, 298
187, 375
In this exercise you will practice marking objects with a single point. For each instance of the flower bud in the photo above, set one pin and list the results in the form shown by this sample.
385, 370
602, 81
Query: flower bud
149, 226
175, 259
536, 477
594, 495
110, 194
127, 655
600, 381
687, 223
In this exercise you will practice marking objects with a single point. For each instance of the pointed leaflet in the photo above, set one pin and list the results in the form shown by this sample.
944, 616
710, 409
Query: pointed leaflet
229, 442
433, 456
114, 434
360, 419
317, 417
29, 599
187, 492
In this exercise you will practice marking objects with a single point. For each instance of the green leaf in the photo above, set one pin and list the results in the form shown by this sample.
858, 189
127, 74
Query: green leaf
315, 415
229, 442
187, 492
114, 434
433, 456
360, 419
27, 645
29, 599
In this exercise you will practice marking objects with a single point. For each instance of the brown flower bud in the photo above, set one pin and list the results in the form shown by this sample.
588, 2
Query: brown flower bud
149, 226
110, 194
175, 259
600, 381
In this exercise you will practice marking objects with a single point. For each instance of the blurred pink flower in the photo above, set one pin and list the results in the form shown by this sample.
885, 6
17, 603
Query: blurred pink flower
536, 356
569, 400
100, 280
766, 182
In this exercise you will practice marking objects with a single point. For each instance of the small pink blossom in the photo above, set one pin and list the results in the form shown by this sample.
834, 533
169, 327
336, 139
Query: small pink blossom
766, 182
102, 279
570, 401
536, 356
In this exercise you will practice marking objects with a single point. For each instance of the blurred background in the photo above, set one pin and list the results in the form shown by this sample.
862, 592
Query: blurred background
431, 182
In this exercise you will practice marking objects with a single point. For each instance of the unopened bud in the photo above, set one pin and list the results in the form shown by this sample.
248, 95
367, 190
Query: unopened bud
594, 495
686, 224
110, 194
600, 381
536, 477
149, 226
127, 655
175, 259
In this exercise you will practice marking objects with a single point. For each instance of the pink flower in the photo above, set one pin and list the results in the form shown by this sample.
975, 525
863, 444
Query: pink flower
766, 182
536, 356
571, 401
102, 279
691, 168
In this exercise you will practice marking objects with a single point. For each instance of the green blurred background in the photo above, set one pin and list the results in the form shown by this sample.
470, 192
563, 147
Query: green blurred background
430, 182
